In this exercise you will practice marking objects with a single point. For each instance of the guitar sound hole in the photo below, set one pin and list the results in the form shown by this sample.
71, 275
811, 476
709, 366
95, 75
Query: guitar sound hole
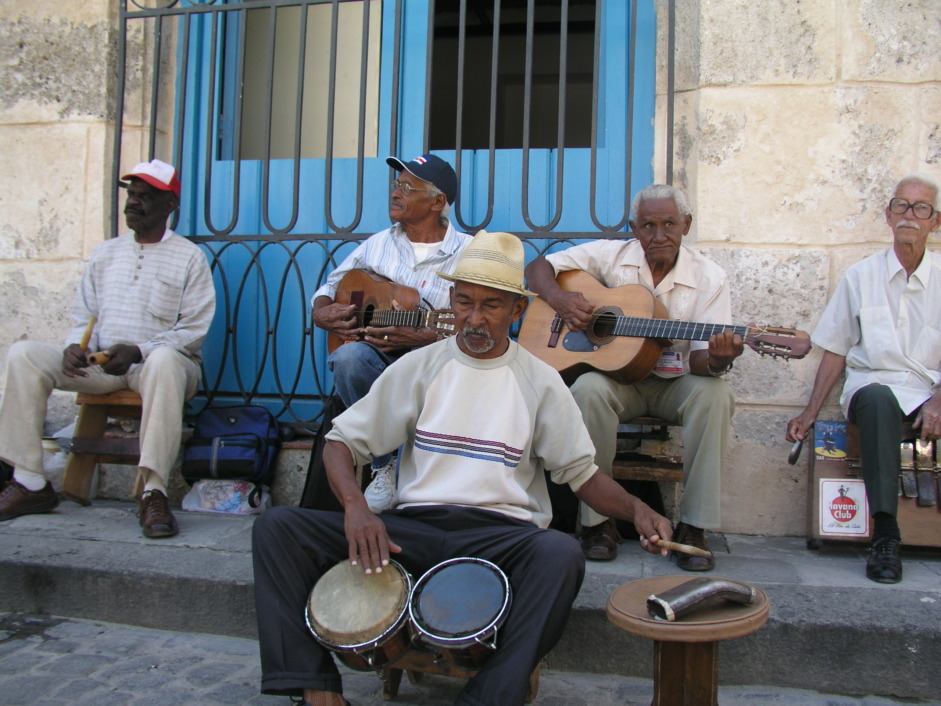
367, 315
602, 326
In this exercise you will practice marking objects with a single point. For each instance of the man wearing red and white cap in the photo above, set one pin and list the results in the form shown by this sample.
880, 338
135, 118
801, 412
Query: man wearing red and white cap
420, 243
151, 296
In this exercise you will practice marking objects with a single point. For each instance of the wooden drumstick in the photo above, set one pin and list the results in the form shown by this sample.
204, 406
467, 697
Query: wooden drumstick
83, 344
683, 548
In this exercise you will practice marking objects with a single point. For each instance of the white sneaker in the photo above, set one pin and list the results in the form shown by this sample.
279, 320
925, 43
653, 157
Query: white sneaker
380, 494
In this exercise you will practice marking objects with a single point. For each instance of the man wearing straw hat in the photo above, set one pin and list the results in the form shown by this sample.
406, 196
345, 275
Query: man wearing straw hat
420, 242
478, 419
146, 301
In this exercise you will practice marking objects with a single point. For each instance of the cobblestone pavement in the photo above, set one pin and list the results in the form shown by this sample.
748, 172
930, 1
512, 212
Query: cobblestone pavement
49, 661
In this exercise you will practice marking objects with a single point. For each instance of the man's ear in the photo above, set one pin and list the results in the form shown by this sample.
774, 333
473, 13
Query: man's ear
688, 219
519, 308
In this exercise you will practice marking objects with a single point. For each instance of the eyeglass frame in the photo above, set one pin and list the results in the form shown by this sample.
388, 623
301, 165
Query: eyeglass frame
408, 189
909, 205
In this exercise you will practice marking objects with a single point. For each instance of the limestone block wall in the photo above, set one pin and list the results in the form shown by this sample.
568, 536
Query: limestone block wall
794, 121
57, 68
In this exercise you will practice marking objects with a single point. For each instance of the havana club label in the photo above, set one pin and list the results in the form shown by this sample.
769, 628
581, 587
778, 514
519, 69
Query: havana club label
844, 510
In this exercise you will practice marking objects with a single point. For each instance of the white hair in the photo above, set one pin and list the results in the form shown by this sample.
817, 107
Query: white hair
662, 191
924, 180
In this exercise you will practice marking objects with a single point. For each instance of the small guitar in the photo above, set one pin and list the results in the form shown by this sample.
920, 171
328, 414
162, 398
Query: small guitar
625, 338
372, 296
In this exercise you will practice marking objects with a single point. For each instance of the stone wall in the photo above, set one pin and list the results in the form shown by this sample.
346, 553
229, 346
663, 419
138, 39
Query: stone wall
793, 122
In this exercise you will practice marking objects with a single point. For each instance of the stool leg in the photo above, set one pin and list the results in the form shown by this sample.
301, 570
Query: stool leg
80, 468
391, 678
685, 674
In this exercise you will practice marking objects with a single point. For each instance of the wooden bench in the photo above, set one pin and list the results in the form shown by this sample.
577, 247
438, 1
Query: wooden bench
90, 447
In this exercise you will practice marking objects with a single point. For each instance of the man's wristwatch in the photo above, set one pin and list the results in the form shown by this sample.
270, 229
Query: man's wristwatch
716, 373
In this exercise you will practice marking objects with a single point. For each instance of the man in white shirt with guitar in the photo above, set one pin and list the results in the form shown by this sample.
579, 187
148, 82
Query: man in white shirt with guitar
363, 303
684, 385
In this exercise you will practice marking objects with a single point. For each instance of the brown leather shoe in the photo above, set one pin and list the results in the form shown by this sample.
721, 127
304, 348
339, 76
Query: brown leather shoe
16, 500
695, 537
155, 516
600, 543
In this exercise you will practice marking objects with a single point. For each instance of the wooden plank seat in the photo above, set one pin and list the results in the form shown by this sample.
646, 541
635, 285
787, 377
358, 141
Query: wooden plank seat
633, 465
90, 446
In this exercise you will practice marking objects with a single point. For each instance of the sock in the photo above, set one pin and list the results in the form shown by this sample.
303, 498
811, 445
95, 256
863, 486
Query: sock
885, 525
29, 480
153, 481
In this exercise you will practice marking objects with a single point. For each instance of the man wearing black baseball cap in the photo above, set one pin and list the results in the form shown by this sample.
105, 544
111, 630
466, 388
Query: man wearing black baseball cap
421, 242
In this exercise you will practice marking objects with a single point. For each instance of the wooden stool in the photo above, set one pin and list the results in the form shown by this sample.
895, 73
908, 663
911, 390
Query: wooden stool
89, 446
416, 662
686, 651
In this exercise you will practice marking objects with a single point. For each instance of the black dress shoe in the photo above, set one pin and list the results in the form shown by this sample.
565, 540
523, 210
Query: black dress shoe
695, 537
600, 543
885, 563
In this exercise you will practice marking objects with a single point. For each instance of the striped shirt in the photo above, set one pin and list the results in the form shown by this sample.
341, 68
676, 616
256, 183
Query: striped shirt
389, 253
148, 295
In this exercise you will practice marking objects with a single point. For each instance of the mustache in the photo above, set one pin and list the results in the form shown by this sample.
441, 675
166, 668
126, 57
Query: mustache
905, 223
474, 331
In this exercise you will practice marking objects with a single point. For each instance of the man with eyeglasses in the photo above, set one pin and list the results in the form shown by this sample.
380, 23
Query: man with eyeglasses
421, 242
883, 328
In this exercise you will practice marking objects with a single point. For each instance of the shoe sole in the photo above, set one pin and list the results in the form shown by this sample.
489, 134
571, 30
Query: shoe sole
160, 533
35, 510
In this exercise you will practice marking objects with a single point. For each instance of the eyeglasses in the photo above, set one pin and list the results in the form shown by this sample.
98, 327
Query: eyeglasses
920, 209
408, 189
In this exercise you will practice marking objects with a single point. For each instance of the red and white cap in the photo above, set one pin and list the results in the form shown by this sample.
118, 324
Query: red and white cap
159, 175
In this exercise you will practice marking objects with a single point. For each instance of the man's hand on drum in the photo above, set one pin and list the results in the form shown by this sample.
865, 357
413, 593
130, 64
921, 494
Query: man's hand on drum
369, 542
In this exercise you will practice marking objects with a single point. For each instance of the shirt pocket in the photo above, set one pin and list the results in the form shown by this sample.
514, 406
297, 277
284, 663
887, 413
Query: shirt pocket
878, 336
927, 350
166, 296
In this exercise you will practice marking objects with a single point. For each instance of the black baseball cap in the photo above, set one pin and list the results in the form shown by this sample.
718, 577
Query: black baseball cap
432, 169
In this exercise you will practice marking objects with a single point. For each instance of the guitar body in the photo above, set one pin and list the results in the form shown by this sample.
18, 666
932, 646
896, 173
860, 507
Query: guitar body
370, 293
624, 358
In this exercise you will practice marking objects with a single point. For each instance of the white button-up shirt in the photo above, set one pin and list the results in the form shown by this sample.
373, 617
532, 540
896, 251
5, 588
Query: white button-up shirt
888, 327
696, 289
390, 253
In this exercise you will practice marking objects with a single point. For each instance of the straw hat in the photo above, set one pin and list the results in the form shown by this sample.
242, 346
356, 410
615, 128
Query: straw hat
492, 260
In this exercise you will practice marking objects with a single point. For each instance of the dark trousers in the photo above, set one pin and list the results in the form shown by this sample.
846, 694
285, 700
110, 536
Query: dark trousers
292, 547
877, 414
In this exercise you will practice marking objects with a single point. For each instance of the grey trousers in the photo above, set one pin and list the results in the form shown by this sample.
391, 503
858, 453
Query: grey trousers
165, 380
702, 405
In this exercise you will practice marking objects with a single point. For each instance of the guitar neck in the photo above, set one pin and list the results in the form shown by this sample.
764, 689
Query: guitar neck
395, 317
665, 328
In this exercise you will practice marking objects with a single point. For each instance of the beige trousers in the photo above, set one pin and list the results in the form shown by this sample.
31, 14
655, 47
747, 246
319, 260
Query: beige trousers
165, 380
702, 405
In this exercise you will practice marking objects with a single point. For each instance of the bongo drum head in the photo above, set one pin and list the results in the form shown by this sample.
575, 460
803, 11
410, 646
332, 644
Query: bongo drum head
348, 607
459, 599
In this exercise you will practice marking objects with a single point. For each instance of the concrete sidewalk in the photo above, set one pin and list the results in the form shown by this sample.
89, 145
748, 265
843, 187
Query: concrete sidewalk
830, 629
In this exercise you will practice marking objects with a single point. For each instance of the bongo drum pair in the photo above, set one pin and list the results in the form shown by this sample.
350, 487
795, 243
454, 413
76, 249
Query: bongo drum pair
455, 611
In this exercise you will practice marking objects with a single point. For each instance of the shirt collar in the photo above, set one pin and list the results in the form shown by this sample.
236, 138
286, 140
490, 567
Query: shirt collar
683, 271
922, 273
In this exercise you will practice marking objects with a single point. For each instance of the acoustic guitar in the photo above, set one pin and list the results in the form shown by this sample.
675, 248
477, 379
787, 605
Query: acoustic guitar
372, 296
625, 337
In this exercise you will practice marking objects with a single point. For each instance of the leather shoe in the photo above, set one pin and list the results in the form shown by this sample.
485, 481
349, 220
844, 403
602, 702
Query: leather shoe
16, 500
695, 537
885, 563
600, 543
155, 516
